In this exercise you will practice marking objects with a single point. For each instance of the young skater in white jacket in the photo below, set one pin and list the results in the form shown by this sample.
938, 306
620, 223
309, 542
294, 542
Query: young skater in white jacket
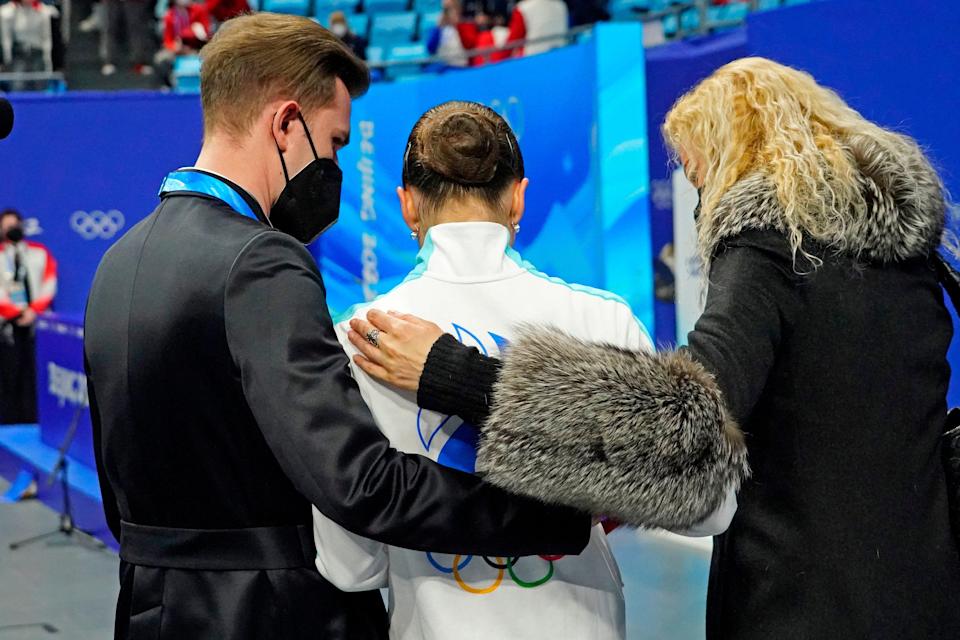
463, 198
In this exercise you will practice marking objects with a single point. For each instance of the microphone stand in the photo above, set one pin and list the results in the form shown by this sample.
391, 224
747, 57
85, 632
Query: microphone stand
67, 525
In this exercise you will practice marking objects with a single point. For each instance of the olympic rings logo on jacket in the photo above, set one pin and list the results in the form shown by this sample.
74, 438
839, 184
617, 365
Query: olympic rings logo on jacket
460, 563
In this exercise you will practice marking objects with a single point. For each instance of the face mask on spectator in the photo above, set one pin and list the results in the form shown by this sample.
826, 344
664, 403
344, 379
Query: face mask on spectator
338, 29
15, 234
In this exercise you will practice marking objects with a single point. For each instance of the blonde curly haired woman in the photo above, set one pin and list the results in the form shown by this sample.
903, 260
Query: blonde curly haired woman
826, 333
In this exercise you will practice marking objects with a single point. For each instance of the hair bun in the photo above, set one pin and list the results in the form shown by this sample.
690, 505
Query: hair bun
461, 147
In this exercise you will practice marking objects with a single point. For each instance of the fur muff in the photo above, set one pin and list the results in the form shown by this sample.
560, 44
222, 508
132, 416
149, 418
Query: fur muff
640, 437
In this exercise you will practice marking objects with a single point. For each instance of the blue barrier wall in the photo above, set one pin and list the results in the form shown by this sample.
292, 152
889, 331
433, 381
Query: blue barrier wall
672, 70
579, 115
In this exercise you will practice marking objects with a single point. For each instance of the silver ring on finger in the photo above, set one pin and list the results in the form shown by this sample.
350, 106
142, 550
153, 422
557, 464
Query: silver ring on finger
373, 337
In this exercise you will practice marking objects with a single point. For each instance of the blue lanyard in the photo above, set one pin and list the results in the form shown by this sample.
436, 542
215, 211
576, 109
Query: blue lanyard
197, 182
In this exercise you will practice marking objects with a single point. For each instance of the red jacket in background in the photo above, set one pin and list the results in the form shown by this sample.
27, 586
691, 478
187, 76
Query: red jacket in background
485, 40
41, 270
223, 10
178, 26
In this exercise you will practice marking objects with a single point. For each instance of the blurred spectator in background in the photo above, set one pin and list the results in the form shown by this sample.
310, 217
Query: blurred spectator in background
535, 19
96, 19
223, 10
491, 32
137, 17
28, 283
339, 27
26, 38
451, 38
186, 28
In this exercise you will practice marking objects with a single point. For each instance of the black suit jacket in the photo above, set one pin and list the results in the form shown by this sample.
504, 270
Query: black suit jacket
221, 399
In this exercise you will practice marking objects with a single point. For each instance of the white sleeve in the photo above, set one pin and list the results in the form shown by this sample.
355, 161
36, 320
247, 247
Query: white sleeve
350, 562
630, 332
717, 522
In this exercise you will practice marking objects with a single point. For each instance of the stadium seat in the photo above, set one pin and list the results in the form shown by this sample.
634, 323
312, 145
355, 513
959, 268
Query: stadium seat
384, 6
392, 28
690, 19
375, 54
359, 23
766, 5
790, 3
324, 8
620, 9
427, 6
293, 7
734, 12
671, 25
427, 22
186, 74
398, 53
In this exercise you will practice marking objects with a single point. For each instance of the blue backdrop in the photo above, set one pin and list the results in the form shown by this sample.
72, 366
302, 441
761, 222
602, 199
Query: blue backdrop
97, 154
87, 167
579, 116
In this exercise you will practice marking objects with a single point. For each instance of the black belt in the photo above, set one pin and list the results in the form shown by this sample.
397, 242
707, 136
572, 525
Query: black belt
287, 547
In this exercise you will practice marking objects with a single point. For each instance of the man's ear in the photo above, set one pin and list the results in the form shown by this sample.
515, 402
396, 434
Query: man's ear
408, 209
285, 114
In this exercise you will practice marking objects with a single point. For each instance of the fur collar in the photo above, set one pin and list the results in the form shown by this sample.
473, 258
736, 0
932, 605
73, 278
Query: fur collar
901, 216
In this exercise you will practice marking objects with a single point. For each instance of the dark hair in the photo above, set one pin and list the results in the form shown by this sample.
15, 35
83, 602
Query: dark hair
460, 149
11, 212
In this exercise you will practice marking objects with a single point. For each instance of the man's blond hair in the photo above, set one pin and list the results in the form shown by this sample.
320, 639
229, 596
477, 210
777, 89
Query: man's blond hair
255, 59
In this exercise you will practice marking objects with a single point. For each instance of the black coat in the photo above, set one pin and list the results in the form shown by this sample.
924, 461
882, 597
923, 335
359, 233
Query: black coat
838, 378
221, 400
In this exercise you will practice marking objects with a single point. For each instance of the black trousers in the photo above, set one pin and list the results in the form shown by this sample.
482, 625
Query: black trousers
235, 584
18, 375
284, 604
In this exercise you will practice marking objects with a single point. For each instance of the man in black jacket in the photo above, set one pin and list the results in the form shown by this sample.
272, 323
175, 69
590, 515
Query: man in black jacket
222, 403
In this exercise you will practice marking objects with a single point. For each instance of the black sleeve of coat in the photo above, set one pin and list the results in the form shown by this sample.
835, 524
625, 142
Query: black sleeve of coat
751, 295
458, 380
111, 509
296, 380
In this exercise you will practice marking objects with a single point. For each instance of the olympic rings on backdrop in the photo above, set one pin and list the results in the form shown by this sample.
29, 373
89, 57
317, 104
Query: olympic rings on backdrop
97, 224
536, 583
442, 569
463, 585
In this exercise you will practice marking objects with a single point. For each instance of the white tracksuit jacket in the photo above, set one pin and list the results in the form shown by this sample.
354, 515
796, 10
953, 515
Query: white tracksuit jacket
470, 282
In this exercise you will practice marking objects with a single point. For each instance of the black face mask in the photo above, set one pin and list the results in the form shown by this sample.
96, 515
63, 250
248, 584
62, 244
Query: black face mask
15, 234
310, 203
